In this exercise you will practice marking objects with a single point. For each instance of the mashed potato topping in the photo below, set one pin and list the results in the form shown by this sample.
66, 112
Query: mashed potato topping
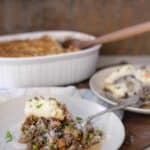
127, 81
42, 107
122, 71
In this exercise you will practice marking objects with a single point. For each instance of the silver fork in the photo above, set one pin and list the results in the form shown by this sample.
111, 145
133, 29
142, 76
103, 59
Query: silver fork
135, 101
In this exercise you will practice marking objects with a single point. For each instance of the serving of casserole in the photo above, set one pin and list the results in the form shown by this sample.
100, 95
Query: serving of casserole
38, 59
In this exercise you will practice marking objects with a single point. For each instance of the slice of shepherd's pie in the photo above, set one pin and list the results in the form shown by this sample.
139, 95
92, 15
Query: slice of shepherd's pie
48, 125
126, 81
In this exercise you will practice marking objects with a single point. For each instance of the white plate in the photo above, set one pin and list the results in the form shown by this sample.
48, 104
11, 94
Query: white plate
97, 84
12, 113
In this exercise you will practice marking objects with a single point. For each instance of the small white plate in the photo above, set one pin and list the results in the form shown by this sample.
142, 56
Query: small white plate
11, 114
97, 85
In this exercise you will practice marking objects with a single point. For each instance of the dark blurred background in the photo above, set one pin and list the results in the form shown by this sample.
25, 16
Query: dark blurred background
91, 16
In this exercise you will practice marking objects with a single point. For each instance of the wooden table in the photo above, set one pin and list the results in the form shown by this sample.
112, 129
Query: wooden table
137, 128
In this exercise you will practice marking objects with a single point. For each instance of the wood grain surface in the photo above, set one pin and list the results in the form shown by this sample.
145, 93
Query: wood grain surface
96, 17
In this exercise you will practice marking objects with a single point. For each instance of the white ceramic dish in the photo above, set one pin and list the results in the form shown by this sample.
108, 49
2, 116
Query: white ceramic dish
48, 70
97, 84
10, 118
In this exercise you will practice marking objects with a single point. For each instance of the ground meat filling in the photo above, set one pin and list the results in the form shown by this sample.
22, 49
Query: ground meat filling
41, 133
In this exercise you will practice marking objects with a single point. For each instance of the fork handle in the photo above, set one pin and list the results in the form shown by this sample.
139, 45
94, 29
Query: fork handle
122, 105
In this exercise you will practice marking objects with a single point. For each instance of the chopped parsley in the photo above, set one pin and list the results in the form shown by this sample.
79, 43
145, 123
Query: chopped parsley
52, 98
39, 106
8, 136
90, 136
68, 126
79, 119
35, 147
53, 145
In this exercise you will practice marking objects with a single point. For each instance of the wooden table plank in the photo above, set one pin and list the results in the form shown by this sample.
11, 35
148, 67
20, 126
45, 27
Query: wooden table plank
137, 131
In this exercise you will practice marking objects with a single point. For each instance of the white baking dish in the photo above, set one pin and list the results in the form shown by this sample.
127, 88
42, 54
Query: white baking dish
60, 69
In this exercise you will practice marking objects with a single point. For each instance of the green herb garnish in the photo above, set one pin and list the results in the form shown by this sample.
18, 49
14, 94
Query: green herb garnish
90, 136
53, 145
79, 119
39, 106
43, 129
8, 136
45, 140
35, 147
52, 98
68, 126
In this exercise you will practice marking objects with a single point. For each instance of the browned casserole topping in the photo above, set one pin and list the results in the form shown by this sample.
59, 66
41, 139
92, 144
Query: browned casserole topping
49, 133
33, 47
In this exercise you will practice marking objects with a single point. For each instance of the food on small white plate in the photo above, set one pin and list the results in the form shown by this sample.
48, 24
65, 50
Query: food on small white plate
126, 81
123, 71
48, 125
123, 88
